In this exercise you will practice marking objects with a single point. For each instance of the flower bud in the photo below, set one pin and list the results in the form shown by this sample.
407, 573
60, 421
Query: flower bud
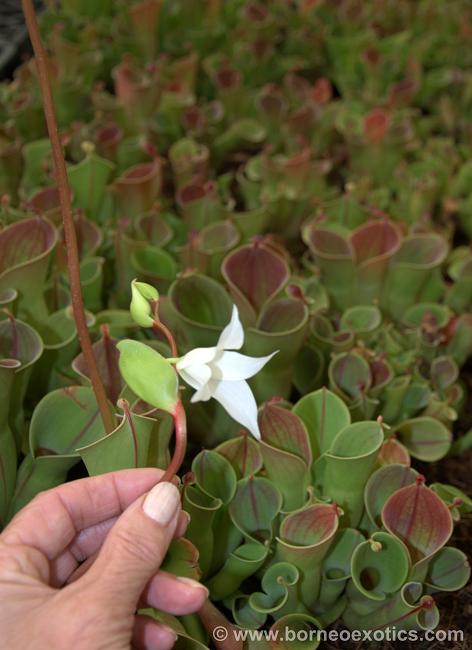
141, 296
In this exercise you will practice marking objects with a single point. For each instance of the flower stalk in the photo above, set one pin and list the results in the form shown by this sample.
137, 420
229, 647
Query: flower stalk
73, 262
180, 424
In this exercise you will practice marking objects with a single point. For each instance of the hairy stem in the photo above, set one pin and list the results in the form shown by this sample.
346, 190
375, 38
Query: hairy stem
73, 263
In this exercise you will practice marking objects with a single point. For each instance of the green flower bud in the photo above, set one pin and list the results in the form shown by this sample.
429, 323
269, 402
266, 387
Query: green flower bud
141, 296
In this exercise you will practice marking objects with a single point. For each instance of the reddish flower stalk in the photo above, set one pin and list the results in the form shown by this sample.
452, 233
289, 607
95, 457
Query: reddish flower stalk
180, 423
159, 328
73, 263
179, 416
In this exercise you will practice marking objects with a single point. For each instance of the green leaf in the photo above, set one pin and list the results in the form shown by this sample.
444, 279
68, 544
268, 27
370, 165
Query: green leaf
302, 628
240, 565
361, 319
254, 507
350, 376
106, 355
458, 502
324, 415
348, 465
88, 180
281, 466
64, 420
243, 453
200, 307
149, 375
449, 570
417, 516
284, 430
244, 615
182, 559
336, 567
125, 447
304, 539
382, 484
277, 582
380, 566
214, 475
425, 438
202, 509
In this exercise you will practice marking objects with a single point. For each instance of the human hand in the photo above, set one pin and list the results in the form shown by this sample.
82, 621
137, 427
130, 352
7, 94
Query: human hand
47, 603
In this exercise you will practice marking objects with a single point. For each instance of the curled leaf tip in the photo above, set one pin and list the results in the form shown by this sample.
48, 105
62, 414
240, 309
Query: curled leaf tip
87, 147
123, 404
375, 546
427, 603
294, 291
105, 330
188, 479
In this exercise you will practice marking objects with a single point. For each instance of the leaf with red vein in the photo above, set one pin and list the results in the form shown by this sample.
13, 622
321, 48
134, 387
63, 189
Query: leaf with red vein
419, 518
254, 507
243, 453
284, 430
257, 273
311, 525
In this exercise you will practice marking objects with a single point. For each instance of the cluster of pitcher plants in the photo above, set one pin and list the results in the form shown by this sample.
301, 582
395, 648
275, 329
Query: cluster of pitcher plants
273, 210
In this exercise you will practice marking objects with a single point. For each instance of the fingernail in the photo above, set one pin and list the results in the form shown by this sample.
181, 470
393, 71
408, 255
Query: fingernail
172, 633
162, 503
193, 584
187, 517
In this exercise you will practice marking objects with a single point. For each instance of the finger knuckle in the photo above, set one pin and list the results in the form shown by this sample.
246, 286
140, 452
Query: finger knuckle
142, 548
21, 559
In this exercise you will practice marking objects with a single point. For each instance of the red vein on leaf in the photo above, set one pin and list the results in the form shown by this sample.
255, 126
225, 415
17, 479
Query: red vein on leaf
125, 406
411, 522
252, 496
245, 453
14, 337
85, 428
20, 486
419, 608
322, 417
69, 391
456, 567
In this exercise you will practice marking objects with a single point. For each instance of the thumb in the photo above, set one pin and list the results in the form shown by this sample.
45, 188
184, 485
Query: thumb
135, 547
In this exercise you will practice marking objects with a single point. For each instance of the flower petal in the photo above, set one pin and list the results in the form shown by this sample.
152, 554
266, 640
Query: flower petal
196, 357
197, 376
232, 337
237, 399
203, 394
233, 366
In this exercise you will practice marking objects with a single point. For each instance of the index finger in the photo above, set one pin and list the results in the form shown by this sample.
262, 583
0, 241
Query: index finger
51, 521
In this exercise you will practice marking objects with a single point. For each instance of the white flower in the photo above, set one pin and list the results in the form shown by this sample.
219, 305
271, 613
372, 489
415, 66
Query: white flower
220, 373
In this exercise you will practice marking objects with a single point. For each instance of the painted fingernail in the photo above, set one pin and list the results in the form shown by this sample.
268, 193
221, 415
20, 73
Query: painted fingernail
162, 503
192, 583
